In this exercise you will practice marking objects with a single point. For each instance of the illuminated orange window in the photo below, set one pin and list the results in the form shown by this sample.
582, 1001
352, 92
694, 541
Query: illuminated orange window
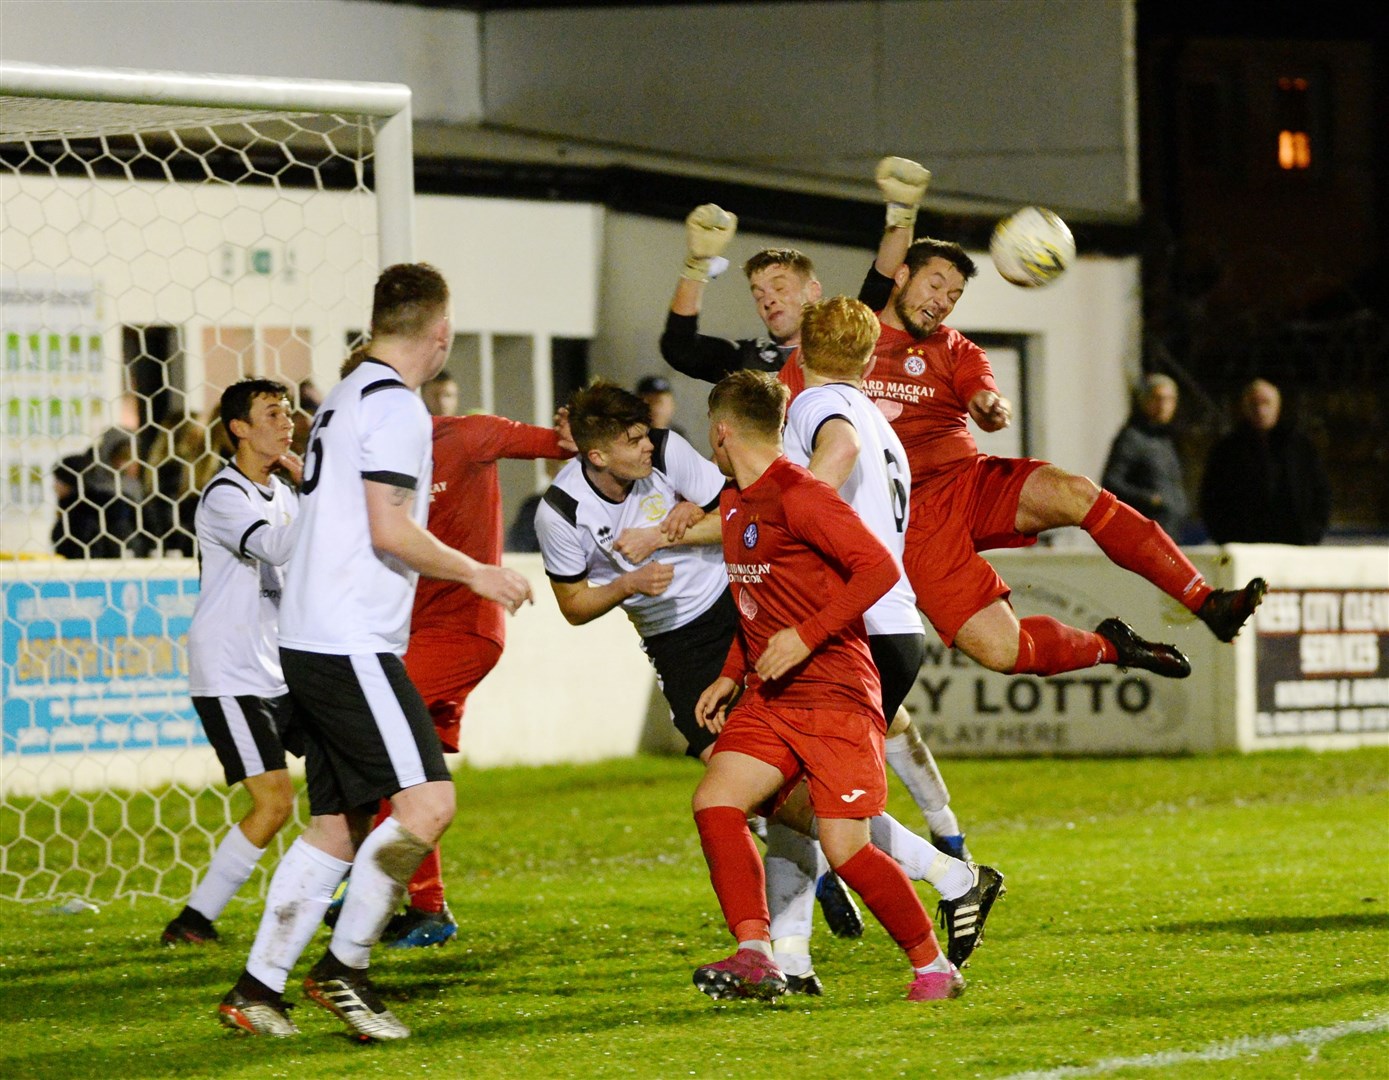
1294, 143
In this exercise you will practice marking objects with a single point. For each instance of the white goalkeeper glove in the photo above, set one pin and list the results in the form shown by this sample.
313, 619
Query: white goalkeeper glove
708, 231
903, 184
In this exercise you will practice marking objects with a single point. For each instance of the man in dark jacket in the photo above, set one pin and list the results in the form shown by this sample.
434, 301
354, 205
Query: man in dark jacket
1143, 467
98, 493
1264, 481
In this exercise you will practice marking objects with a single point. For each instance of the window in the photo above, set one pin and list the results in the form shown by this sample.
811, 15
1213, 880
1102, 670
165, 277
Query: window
1293, 115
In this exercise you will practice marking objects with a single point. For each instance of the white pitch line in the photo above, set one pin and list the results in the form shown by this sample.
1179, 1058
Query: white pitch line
1313, 1038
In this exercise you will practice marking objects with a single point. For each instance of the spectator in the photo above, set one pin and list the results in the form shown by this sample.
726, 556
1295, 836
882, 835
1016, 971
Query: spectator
520, 534
1264, 481
183, 463
99, 492
660, 399
1143, 469
441, 395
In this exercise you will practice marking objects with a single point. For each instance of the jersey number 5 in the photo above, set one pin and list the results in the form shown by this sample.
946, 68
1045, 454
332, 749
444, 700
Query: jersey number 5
313, 459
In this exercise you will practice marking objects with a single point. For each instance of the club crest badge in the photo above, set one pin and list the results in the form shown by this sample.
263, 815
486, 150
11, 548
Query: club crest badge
750, 535
747, 605
915, 365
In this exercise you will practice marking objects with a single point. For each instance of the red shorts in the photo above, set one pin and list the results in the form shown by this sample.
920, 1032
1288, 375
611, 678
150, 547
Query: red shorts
971, 509
839, 754
445, 670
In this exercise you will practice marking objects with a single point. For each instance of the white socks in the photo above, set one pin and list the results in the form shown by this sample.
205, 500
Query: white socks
793, 866
942, 822
385, 862
300, 893
231, 865
940, 963
911, 760
921, 860
757, 946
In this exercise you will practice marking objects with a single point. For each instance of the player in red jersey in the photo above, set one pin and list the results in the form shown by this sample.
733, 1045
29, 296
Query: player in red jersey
928, 380
457, 637
803, 570
782, 281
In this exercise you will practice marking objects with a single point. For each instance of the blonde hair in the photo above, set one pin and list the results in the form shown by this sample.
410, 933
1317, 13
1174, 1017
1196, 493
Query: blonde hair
837, 337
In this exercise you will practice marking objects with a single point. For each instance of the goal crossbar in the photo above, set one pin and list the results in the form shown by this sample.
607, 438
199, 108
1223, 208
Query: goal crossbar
209, 98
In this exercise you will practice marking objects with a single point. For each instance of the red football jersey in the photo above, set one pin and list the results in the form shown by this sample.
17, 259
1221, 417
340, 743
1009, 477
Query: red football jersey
792, 374
465, 512
923, 387
798, 556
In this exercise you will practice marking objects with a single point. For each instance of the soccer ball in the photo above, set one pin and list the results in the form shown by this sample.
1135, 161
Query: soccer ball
1032, 247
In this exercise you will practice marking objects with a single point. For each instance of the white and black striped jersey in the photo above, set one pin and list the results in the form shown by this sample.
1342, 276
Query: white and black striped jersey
246, 532
877, 488
577, 527
341, 597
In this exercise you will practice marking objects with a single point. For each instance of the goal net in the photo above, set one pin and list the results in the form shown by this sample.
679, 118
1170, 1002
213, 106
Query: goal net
164, 235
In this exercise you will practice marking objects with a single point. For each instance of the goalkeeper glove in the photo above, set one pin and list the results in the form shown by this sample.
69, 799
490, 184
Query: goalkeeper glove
708, 231
903, 184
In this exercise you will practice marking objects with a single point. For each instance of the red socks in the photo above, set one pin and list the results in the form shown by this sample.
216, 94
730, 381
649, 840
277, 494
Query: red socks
735, 868
1048, 647
888, 894
1139, 545
427, 886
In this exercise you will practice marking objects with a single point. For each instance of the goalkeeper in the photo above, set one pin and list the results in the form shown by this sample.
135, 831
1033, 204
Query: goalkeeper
246, 523
782, 281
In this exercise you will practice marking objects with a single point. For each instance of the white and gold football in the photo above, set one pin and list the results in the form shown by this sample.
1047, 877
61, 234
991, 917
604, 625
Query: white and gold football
1032, 247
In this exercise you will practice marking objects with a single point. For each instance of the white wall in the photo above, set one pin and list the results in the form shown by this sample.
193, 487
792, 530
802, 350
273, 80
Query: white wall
515, 267
176, 254
1084, 328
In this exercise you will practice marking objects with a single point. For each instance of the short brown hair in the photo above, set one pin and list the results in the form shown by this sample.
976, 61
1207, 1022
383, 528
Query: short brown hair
927, 248
408, 297
603, 412
755, 400
790, 258
837, 337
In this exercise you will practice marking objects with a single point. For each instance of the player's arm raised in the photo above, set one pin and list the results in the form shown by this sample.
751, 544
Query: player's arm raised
903, 183
708, 231
394, 532
581, 603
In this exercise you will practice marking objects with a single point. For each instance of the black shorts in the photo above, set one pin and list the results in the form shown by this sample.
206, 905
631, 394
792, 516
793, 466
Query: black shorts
367, 732
898, 658
250, 734
687, 660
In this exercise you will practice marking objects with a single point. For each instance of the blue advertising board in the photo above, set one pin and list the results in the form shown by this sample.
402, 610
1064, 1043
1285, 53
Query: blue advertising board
97, 664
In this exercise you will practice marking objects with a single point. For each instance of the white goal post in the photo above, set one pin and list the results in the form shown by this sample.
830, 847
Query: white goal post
163, 235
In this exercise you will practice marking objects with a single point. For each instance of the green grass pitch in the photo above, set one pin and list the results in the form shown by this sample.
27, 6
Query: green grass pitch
1159, 912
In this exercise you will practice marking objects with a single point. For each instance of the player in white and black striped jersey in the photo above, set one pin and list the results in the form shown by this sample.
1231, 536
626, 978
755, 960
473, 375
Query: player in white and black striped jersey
246, 524
628, 477
344, 624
